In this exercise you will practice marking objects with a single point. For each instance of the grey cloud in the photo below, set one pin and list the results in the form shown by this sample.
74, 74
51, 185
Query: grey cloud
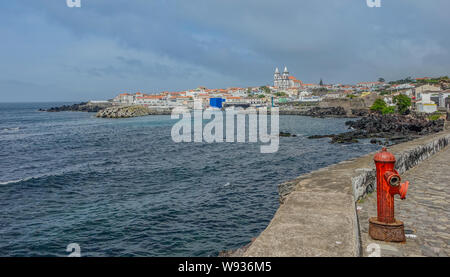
238, 43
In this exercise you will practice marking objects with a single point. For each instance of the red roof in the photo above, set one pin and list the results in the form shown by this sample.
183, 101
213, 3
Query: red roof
151, 97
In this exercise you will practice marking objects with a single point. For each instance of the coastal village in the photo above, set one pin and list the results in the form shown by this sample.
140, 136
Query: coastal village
427, 94
251, 133
409, 116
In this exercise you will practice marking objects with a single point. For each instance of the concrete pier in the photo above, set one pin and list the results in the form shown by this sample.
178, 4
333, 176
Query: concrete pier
318, 212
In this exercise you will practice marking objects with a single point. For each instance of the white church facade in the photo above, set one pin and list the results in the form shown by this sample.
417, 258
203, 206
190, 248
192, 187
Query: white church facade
284, 81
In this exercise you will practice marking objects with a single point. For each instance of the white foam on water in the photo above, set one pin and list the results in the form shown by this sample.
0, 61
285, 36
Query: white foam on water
15, 181
11, 129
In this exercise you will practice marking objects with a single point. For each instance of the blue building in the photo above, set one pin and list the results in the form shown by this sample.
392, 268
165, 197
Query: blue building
216, 102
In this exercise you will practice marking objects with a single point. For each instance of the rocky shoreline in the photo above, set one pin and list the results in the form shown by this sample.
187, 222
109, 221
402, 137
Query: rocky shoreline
321, 112
381, 129
392, 128
109, 110
81, 107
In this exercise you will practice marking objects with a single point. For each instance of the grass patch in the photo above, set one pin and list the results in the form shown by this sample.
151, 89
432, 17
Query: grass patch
434, 117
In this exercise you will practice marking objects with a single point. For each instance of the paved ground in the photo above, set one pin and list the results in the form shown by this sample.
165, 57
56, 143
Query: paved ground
425, 212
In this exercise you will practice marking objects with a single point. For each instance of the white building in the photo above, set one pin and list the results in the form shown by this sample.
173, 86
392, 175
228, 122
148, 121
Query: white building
389, 101
401, 87
426, 88
305, 93
368, 85
309, 99
424, 103
442, 99
281, 81
151, 100
124, 98
284, 81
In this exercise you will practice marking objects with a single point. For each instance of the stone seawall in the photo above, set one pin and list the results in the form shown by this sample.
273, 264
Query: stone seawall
365, 182
317, 215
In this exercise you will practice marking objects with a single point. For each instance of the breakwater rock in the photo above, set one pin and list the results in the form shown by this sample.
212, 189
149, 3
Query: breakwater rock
393, 128
316, 112
123, 112
131, 111
81, 107
360, 112
287, 134
398, 124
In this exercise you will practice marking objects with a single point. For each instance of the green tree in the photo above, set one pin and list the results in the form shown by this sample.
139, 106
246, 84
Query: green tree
265, 89
388, 110
381, 80
403, 103
321, 82
378, 105
402, 81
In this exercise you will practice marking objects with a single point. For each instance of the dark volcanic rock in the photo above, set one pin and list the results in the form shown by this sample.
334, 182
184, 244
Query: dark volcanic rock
317, 112
360, 112
343, 139
396, 125
395, 128
81, 107
286, 134
321, 136
376, 141
326, 112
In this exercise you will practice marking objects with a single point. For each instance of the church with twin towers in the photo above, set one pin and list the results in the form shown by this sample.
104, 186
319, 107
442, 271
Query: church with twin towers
284, 81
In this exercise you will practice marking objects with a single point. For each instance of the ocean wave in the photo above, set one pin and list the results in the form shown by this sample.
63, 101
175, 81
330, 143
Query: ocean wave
85, 168
15, 181
37, 177
11, 129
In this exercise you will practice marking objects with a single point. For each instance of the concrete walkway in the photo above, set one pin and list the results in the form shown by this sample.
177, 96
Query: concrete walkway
425, 212
317, 218
318, 215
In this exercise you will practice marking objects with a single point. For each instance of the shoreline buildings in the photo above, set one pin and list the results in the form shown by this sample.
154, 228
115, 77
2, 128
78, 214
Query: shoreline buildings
426, 97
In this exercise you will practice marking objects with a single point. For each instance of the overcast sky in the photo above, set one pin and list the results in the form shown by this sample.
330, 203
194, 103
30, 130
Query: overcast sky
51, 52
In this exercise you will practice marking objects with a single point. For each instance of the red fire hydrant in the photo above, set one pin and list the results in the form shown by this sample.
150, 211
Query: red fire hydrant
385, 227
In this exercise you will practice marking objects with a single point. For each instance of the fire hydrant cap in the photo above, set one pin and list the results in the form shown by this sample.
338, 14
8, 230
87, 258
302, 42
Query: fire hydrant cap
384, 156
